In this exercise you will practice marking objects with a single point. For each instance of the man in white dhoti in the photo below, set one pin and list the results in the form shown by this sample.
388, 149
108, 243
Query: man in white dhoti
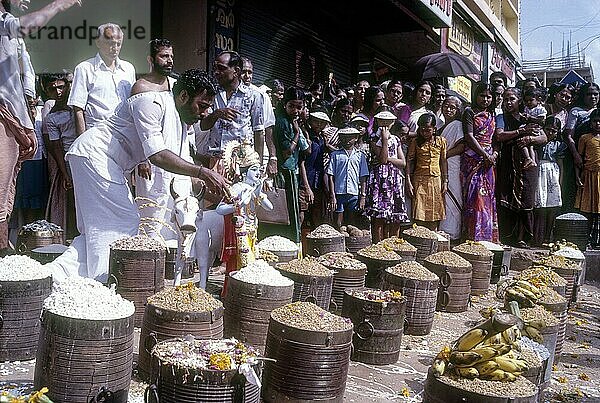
102, 156
152, 182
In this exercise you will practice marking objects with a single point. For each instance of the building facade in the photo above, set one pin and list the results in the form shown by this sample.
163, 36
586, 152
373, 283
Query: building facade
302, 44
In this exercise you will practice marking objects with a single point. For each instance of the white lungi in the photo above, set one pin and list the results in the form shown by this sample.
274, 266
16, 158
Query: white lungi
100, 159
99, 205
155, 221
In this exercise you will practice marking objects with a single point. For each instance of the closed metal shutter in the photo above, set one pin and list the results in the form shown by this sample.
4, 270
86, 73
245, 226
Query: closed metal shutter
288, 48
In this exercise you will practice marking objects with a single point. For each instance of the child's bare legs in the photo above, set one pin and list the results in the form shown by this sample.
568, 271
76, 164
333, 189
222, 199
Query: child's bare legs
432, 225
528, 157
378, 229
392, 229
339, 219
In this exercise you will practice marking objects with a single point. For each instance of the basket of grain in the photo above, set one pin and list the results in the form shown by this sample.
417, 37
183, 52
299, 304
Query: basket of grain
454, 273
423, 239
481, 260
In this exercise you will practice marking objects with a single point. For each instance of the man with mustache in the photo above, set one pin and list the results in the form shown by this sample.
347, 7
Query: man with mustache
160, 61
147, 126
152, 182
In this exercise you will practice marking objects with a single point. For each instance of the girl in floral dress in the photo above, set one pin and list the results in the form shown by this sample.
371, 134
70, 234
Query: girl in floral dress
385, 188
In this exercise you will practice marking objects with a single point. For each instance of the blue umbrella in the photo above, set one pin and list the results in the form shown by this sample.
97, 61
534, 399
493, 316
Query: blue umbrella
445, 65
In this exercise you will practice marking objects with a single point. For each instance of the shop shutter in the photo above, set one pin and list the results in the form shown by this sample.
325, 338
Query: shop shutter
288, 48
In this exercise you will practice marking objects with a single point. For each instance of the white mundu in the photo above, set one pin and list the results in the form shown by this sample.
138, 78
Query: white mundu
100, 159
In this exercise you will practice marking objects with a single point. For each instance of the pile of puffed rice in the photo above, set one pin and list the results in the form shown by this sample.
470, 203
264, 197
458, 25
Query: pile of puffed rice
278, 244
84, 298
137, 242
260, 272
324, 231
21, 268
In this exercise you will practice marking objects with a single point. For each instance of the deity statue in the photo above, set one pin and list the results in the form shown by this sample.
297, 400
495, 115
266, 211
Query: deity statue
243, 168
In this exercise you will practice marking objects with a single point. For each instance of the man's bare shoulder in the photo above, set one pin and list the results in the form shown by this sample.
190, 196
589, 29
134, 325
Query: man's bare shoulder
145, 85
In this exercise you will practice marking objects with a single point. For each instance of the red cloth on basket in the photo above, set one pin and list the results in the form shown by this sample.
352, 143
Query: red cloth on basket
229, 255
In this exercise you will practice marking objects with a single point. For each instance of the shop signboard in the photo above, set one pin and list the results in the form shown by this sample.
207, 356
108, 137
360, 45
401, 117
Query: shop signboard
460, 84
461, 39
442, 9
223, 27
500, 61
70, 37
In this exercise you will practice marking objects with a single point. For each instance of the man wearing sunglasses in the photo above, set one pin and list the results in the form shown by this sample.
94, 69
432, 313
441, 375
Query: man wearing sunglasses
237, 109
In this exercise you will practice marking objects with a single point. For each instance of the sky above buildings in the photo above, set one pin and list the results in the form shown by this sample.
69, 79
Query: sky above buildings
545, 21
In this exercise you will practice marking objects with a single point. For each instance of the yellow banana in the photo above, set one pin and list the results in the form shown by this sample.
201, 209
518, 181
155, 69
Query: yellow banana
495, 339
501, 349
509, 335
534, 334
486, 352
523, 366
499, 375
539, 324
464, 358
517, 333
528, 286
438, 367
486, 367
470, 339
522, 300
510, 365
470, 373
526, 293
512, 334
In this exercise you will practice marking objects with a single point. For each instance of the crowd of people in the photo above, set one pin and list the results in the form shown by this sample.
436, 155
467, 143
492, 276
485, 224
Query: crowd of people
497, 167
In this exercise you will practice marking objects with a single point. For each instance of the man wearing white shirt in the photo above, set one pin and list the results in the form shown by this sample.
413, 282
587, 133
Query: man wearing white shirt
101, 83
17, 138
268, 115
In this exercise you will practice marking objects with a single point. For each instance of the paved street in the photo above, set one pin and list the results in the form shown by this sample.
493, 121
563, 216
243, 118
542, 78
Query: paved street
381, 384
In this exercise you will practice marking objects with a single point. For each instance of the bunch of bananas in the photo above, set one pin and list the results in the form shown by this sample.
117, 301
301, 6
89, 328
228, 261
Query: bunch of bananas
533, 328
558, 245
479, 354
524, 293
267, 256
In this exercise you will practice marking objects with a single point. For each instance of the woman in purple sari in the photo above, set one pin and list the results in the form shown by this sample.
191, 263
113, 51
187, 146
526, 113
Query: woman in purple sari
480, 222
